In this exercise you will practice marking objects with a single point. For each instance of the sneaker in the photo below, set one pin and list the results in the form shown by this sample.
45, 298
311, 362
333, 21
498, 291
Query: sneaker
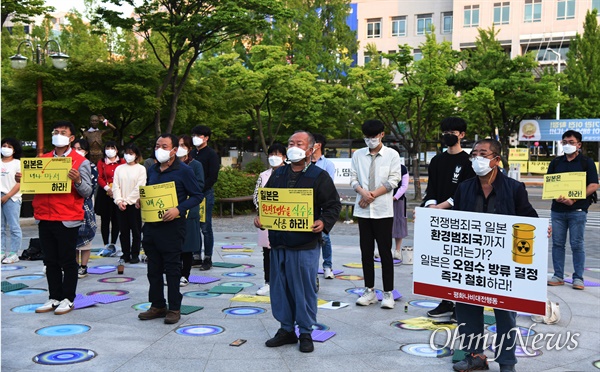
445, 308
11, 258
388, 301
107, 251
556, 281
82, 272
376, 254
173, 316
64, 307
578, 284
397, 255
507, 368
368, 297
264, 290
328, 273
206, 264
282, 337
153, 313
306, 343
183, 282
472, 362
50, 305
134, 260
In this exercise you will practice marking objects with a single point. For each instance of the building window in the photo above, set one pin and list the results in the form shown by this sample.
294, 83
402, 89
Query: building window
417, 55
533, 11
472, 16
373, 28
447, 23
544, 55
596, 5
501, 13
424, 23
565, 9
398, 26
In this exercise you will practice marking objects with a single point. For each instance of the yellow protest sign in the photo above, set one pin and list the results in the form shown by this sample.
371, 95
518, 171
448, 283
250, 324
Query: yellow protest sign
515, 153
571, 185
45, 175
286, 209
538, 167
203, 210
155, 200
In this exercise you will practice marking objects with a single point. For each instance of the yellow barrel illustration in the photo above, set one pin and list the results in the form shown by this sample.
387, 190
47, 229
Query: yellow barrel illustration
522, 250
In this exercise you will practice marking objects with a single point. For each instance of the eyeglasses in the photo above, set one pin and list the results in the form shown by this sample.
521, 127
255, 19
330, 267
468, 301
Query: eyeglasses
61, 132
572, 142
483, 154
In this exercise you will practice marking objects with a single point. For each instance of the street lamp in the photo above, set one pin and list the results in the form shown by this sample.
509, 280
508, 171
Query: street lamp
59, 60
558, 143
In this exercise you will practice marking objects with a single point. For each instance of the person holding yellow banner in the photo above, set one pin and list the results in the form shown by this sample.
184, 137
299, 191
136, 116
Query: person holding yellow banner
295, 255
162, 240
570, 213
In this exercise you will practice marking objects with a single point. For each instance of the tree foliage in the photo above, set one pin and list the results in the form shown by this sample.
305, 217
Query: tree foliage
23, 10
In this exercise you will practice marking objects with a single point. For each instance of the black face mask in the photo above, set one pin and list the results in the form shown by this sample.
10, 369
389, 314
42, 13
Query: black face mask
449, 139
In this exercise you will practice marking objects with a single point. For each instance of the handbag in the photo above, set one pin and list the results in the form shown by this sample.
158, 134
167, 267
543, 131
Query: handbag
552, 314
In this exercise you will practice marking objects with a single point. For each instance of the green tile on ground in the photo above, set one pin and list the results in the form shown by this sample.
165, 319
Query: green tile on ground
188, 309
224, 289
9, 287
226, 264
458, 355
489, 319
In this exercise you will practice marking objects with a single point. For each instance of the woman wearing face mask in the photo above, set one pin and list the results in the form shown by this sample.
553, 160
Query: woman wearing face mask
192, 241
105, 206
277, 158
11, 200
126, 191
87, 231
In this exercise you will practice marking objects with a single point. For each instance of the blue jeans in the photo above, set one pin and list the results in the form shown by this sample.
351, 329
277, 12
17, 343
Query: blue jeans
206, 226
574, 222
11, 210
326, 248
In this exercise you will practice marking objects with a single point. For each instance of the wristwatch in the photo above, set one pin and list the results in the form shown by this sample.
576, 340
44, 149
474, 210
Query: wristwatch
78, 184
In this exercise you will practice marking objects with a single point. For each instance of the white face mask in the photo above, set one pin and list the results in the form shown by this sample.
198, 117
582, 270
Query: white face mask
295, 154
181, 152
275, 160
58, 140
481, 165
129, 158
372, 142
7, 152
110, 153
162, 156
197, 141
569, 149
81, 152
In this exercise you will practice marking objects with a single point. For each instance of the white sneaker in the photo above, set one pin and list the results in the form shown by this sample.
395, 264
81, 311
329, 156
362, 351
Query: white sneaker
64, 307
50, 305
328, 273
264, 290
397, 255
11, 258
367, 298
183, 282
388, 301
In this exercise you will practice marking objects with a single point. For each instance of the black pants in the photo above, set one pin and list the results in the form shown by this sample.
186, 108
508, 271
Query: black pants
267, 263
58, 244
109, 223
130, 221
187, 258
162, 243
380, 230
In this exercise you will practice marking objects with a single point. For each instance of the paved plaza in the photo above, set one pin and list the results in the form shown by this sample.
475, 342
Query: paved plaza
366, 338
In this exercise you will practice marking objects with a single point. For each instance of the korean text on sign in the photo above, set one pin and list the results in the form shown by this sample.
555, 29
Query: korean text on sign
571, 185
45, 175
286, 209
155, 200
481, 259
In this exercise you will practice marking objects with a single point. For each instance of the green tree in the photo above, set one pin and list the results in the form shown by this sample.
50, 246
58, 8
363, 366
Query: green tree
186, 29
23, 10
583, 71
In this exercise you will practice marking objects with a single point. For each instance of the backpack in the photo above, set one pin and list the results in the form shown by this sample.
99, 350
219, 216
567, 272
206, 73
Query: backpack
34, 252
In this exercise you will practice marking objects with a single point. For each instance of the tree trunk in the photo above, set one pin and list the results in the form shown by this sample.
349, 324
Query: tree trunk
157, 129
416, 176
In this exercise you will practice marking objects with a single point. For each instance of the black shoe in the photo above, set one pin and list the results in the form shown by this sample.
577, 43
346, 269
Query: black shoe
445, 308
306, 343
196, 263
135, 260
507, 368
282, 337
206, 264
472, 362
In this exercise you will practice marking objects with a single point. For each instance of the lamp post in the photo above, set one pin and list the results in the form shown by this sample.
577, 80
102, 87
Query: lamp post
59, 60
558, 146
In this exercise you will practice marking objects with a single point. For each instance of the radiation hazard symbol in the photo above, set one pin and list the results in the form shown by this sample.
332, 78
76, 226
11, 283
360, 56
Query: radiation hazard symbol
523, 246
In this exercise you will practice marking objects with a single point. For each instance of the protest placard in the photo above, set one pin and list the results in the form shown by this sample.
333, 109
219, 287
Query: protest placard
45, 175
571, 185
483, 259
286, 209
155, 200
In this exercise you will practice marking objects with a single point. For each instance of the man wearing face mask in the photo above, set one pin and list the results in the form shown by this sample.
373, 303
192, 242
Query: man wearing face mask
162, 240
211, 164
295, 255
571, 214
375, 172
60, 216
445, 172
490, 192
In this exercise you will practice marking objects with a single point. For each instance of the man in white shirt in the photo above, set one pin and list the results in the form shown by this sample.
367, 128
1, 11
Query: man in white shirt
375, 172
